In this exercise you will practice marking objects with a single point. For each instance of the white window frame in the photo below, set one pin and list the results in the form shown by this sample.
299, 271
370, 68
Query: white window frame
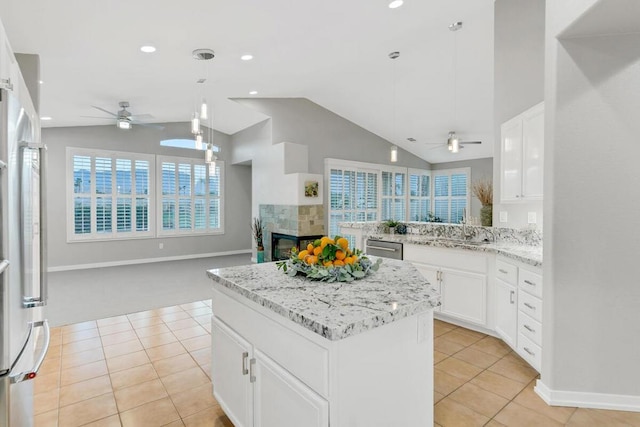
114, 234
177, 232
419, 172
392, 199
450, 172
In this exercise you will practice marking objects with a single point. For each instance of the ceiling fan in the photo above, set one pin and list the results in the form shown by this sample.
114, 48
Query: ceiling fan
124, 119
453, 143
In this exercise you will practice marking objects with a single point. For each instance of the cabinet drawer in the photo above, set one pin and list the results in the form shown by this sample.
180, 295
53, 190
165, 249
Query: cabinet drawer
530, 328
530, 351
507, 272
530, 282
530, 305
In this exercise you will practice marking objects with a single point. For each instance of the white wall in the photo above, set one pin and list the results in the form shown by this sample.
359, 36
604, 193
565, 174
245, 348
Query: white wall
519, 84
592, 200
237, 209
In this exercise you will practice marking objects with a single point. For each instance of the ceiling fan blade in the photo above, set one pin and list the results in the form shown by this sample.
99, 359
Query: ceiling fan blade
105, 111
141, 117
96, 117
149, 125
470, 142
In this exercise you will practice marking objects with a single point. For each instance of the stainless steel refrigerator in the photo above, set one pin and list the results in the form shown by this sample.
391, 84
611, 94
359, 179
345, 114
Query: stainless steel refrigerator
24, 333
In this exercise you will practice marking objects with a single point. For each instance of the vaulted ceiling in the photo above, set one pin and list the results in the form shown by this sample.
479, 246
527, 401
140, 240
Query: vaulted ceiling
333, 52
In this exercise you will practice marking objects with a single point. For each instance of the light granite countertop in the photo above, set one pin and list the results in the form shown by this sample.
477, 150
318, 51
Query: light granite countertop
530, 255
334, 310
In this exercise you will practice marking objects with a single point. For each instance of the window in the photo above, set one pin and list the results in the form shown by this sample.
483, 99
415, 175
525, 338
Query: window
353, 197
108, 195
451, 194
394, 194
187, 143
191, 196
419, 195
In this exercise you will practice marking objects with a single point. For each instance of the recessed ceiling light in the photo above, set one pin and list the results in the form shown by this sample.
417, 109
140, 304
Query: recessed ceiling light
395, 4
253, 92
45, 118
247, 57
148, 49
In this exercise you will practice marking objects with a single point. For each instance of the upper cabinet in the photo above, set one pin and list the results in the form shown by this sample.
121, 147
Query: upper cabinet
522, 156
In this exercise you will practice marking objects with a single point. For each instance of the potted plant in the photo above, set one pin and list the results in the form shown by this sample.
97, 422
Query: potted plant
257, 229
483, 190
391, 225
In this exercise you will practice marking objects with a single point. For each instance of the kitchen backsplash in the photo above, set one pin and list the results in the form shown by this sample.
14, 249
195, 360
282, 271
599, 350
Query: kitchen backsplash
529, 237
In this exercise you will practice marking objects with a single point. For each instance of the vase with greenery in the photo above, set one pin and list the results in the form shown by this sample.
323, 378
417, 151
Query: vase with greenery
483, 190
391, 225
257, 230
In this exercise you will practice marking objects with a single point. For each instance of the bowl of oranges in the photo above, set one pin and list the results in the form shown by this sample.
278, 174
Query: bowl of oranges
329, 259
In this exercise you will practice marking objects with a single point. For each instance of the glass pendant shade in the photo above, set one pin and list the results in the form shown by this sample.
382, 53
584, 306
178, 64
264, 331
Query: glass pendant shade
394, 154
195, 124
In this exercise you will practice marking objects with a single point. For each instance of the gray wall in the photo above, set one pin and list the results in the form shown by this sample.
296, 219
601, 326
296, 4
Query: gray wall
327, 134
592, 200
237, 207
480, 169
518, 83
30, 69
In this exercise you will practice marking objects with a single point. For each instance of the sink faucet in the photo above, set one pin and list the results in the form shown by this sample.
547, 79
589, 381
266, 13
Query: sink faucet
466, 234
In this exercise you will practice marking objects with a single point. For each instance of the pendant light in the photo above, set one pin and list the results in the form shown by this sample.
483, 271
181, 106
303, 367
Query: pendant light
453, 143
394, 149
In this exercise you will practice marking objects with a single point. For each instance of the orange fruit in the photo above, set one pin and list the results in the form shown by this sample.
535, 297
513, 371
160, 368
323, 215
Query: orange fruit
338, 263
340, 255
317, 251
348, 260
310, 247
343, 243
355, 258
324, 241
311, 260
328, 263
303, 254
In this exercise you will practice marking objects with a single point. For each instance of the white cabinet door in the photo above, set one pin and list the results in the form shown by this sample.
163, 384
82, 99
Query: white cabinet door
281, 400
511, 161
230, 373
506, 312
533, 152
464, 295
432, 274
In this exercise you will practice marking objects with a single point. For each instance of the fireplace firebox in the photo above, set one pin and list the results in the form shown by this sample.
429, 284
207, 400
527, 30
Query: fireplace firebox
281, 244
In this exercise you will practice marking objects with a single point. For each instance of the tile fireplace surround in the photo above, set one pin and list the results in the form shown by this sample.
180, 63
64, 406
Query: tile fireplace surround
304, 220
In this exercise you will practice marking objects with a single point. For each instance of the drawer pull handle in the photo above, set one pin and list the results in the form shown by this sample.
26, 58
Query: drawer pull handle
245, 355
503, 271
511, 295
529, 351
529, 283
529, 306
380, 248
529, 328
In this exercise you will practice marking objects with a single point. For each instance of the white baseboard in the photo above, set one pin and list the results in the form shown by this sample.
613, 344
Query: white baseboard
143, 261
618, 402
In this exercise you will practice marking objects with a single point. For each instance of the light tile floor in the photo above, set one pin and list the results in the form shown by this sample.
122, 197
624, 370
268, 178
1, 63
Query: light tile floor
480, 381
149, 368
152, 368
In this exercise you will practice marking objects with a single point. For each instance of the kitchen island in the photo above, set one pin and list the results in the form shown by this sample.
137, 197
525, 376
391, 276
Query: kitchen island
287, 351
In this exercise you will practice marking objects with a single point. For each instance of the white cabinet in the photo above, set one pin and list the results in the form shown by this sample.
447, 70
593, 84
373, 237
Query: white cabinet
231, 355
518, 292
275, 389
522, 156
464, 295
252, 389
459, 276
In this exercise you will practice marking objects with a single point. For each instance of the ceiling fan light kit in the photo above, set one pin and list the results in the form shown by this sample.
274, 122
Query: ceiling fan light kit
123, 123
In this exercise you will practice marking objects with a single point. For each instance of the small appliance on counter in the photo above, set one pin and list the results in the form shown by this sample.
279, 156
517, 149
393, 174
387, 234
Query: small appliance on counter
384, 249
24, 334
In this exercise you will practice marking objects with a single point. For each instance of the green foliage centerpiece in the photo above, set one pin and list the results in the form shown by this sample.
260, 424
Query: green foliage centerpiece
329, 260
